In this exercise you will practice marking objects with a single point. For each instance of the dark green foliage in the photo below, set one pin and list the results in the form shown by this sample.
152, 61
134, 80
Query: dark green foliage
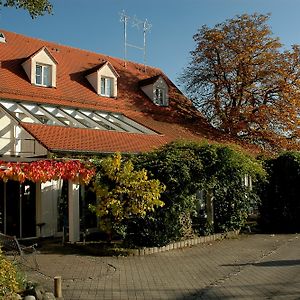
226, 177
186, 168
180, 169
280, 209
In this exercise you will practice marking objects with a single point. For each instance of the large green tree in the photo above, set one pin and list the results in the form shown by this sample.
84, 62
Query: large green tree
244, 83
34, 7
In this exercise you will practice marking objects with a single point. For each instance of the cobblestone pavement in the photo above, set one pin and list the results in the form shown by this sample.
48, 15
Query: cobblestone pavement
248, 267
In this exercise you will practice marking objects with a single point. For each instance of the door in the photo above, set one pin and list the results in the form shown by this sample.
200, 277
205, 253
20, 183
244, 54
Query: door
17, 208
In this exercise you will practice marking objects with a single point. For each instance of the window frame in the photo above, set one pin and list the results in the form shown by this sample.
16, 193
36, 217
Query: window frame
108, 88
160, 96
42, 75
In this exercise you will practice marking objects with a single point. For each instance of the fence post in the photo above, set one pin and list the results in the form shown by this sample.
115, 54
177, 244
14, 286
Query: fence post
57, 287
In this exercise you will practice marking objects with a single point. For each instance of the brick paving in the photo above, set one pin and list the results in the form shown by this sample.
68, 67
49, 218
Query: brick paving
248, 267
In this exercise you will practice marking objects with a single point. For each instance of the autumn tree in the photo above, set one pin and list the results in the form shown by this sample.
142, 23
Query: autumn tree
244, 84
34, 7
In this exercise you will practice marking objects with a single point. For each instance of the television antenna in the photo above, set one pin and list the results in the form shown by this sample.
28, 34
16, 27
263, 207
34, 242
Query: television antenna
137, 23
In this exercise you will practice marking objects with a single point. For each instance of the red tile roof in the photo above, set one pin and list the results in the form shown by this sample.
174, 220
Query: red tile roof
65, 139
180, 120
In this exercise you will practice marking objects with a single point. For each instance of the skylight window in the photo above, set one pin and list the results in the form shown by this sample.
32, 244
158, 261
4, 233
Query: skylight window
72, 117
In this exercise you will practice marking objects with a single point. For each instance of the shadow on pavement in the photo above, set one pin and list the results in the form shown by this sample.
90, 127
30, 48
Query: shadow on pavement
90, 248
271, 263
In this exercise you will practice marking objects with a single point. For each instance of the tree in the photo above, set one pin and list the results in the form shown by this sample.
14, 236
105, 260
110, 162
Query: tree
123, 193
34, 7
280, 206
244, 84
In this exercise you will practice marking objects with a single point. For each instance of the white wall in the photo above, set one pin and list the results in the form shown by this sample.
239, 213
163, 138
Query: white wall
14, 140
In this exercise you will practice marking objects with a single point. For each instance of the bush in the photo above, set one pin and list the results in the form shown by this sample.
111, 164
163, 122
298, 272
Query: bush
11, 281
123, 193
226, 170
186, 168
178, 167
280, 207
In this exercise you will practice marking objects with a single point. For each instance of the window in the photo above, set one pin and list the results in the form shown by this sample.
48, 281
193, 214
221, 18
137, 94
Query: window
160, 96
107, 86
43, 75
2, 38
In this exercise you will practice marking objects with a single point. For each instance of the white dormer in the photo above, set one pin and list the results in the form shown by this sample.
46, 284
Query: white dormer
104, 80
156, 89
41, 68
2, 38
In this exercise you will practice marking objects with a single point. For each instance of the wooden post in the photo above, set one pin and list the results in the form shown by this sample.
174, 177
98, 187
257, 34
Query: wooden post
57, 287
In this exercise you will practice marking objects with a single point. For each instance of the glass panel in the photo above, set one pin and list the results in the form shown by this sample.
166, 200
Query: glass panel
13, 208
28, 209
38, 74
63, 207
108, 87
44, 120
46, 75
102, 86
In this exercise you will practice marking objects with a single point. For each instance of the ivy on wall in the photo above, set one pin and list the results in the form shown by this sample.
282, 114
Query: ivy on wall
46, 170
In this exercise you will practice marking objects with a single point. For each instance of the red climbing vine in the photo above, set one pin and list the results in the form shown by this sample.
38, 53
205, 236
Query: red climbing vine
46, 170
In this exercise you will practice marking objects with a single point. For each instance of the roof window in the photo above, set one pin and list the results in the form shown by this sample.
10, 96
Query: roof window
2, 38
104, 80
42, 75
156, 89
41, 68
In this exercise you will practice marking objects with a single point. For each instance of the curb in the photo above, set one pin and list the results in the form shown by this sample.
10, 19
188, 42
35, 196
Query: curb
183, 244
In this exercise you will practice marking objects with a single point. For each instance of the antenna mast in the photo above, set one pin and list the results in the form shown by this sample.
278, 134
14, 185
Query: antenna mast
146, 26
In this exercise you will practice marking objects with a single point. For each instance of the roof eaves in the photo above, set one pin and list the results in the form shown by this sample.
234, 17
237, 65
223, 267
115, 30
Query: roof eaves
89, 152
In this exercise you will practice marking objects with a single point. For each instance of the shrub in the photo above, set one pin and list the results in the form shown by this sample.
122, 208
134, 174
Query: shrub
11, 281
280, 207
225, 172
185, 168
123, 193
177, 166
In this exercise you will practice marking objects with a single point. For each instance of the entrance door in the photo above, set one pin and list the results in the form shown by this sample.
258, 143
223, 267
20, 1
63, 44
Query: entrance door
17, 208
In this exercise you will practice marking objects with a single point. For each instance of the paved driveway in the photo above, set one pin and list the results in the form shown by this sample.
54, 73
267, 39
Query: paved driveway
248, 267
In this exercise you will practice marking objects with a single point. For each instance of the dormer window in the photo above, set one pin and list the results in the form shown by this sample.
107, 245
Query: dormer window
107, 85
2, 38
41, 68
159, 96
156, 89
104, 80
43, 75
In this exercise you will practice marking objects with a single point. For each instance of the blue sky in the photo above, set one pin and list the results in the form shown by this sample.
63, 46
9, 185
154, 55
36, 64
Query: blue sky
94, 25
